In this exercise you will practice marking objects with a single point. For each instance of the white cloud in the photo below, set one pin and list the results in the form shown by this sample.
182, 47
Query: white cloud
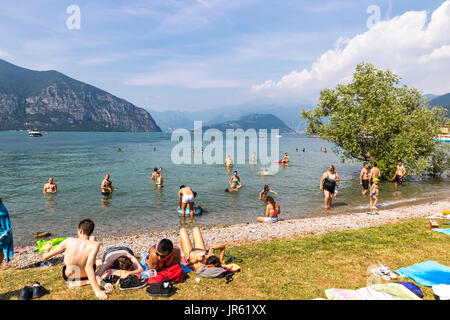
407, 45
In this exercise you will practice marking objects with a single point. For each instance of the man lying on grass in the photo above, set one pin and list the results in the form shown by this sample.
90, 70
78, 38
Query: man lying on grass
79, 258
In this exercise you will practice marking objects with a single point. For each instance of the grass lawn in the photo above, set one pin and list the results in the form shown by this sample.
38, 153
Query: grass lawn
300, 268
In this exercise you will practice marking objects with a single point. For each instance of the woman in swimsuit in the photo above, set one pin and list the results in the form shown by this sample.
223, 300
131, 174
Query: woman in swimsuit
195, 257
328, 185
235, 182
272, 211
265, 192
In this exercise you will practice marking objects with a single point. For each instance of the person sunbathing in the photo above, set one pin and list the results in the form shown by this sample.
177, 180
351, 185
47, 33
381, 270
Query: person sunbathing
163, 256
197, 256
118, 258
79, 257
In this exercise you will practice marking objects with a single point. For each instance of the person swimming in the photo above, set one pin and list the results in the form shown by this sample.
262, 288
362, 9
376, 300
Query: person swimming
264, 193
235, 183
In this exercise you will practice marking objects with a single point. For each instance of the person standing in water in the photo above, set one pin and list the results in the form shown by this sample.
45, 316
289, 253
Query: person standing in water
285, 158
328, 185
264, 193
374, 172
228, 162
399, 174
253, 158
50, 187
155, 174
364, 178
186, 199
374, 193
106, 186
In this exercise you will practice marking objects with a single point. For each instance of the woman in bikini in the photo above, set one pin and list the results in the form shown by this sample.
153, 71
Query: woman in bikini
328, 185
272, 211
195, 257
235, 182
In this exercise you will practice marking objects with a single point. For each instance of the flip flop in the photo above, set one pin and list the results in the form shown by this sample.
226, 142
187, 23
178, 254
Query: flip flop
230, 259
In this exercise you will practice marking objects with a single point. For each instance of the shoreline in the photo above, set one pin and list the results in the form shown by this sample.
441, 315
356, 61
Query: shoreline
242, 233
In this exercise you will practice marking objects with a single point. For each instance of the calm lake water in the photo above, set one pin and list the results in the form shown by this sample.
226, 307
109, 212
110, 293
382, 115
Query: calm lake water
78, 162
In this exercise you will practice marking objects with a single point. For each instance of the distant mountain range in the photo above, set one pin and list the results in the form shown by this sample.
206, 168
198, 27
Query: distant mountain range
50, 100
287, 110
254, 121
442, 101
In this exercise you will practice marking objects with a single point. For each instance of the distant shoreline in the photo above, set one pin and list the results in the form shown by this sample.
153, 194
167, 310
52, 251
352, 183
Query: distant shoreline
257, 232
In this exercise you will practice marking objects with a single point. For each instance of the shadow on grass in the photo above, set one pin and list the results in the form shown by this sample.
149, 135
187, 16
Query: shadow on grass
10, 295
40, 264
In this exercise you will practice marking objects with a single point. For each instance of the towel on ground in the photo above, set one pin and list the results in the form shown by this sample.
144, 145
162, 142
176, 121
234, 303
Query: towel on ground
386, 291
444, 231
427, 273
6, 237
442, 291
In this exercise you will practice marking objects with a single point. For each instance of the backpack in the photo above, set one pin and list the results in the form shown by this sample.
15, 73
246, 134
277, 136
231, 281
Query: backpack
172, 274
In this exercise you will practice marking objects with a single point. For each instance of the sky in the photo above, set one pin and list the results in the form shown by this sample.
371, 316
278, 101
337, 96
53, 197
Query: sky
200, 54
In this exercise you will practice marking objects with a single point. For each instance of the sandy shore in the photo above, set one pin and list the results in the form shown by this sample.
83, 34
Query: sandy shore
258, 232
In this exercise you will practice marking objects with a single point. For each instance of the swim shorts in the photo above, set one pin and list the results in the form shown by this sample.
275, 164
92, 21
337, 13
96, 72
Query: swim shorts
74, 279
105, 193
398, 179
188, 198
365, 184
270, 219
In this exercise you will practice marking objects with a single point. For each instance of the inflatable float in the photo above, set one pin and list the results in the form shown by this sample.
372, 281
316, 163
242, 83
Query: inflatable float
188, 213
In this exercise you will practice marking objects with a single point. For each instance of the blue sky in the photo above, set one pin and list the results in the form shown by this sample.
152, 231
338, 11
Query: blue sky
200, 54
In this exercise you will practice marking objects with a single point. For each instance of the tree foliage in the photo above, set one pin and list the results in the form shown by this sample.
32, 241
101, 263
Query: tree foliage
374, 118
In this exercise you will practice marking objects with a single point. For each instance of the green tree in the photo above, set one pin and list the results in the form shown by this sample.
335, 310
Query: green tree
374, 118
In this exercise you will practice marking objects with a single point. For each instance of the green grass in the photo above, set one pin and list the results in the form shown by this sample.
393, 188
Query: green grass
300, 268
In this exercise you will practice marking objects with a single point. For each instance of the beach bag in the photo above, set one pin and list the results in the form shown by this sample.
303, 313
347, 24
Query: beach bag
172, 274
160, 289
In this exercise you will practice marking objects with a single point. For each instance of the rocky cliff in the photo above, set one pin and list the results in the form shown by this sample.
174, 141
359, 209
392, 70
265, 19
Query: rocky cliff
49, 100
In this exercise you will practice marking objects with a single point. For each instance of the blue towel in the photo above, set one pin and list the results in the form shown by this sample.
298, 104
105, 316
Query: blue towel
444, 231
143, 259
6, 238
428, 273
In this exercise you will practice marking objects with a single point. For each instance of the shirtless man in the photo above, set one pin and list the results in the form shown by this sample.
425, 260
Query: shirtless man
163, 256
106, 186
374, 172
285, 158
160, 180
186, 199
364, 178
50, 187
399, 173
155, 174
79, 257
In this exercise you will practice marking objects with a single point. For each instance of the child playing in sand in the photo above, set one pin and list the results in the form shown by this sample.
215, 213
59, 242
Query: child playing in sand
374, 193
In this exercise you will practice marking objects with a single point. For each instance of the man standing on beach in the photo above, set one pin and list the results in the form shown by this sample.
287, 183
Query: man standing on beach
186, 199
6, 236
399, 173
163, 256
50, 187
364, 178
79, 257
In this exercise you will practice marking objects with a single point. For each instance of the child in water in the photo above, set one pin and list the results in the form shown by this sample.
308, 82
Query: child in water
374, 193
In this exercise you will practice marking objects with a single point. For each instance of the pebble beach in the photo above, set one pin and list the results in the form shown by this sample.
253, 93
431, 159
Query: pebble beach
257, 232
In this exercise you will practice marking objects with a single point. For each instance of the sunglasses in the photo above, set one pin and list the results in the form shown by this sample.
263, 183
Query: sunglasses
162, 256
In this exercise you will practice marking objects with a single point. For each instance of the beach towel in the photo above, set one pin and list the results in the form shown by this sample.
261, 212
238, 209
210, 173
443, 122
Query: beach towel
427, 273
444, 231
414, 289
6, 237
42, 243
172, 274
386, 291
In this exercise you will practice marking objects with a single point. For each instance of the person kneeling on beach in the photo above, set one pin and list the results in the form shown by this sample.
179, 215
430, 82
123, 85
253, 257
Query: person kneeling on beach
163, 256
272, 211
118, 258
79, 258
195, 258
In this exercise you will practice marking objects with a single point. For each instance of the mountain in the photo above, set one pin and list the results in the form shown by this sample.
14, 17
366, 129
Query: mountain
287, 110
50, 100
442, 101
254, 121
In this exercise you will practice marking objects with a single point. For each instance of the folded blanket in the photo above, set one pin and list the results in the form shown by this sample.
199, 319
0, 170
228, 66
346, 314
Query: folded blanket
386, 291
427, 273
